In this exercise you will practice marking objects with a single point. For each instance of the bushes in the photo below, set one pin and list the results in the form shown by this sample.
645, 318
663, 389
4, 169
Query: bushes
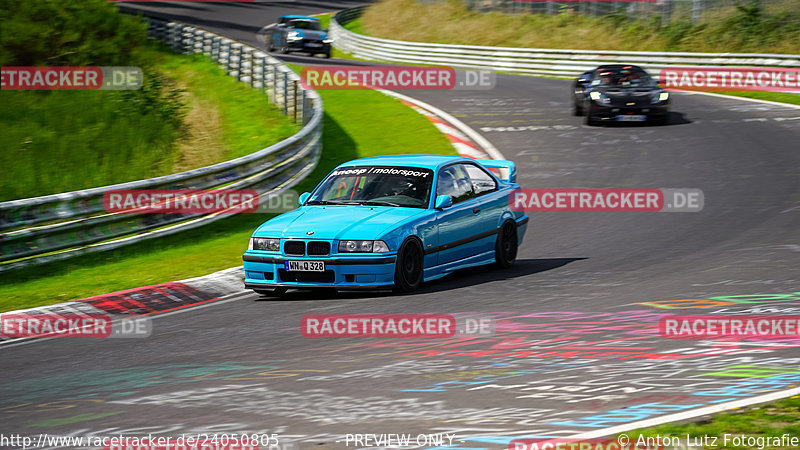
67, 33
64, 140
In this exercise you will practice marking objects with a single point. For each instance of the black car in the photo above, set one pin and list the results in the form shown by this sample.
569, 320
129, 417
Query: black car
620, 93
301, 34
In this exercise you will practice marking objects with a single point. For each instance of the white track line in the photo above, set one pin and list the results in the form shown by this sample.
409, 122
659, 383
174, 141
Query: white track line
493, 152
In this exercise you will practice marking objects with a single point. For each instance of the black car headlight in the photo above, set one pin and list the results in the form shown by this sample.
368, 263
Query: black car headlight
363, 247
266, 244
599, 97
660, 97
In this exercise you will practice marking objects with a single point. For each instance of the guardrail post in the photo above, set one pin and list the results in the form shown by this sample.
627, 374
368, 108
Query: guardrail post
187, 38
207, 39
304, 111
234, 59
285, 93
215, 48
260, 71
294, 99
275, 84
245, 67
697, 11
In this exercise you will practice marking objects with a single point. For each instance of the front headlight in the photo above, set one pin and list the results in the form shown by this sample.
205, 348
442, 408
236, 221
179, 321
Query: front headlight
661, 97
599, 97
293, 36
363, 247
266, 244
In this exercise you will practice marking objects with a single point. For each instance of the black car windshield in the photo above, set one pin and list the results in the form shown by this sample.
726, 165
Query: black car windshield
625, 77
375, 186
305, 24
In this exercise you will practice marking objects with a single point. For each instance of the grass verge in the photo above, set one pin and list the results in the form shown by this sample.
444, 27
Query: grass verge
356, 124
735, 29
450, 22
763, 421
99, 138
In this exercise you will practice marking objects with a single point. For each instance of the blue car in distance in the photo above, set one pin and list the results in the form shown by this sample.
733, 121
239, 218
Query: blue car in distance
301, 34
389, 222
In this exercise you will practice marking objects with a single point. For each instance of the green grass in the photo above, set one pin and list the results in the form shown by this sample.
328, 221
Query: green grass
67, 140
248, 121
450, 21
776, 419
356, 124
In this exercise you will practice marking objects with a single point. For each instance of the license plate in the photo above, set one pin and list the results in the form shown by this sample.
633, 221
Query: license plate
632, 118
313, 44
304, 266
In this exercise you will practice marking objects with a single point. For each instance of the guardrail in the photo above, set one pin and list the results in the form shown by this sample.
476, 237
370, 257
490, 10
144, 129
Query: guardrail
43, 229
536, 61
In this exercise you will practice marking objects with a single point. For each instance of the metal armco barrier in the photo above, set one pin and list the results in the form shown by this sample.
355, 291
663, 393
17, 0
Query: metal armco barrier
53, 227
536, 61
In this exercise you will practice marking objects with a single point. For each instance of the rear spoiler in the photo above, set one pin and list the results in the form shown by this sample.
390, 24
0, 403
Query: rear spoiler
504, 169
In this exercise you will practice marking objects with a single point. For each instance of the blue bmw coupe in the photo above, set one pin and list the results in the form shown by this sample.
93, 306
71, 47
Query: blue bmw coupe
390, 222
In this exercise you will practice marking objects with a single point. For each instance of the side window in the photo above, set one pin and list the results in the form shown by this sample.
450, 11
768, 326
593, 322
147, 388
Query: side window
454, 181
482, 182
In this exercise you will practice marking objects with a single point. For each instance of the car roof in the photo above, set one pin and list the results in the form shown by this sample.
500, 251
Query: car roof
423, 161
617, 67
291, 16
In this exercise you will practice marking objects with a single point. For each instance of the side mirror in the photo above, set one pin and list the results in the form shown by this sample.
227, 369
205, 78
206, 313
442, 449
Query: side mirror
303, 197
443, 201
281, 25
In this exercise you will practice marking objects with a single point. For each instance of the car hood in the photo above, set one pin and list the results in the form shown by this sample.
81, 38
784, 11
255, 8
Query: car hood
336, 222
624, 96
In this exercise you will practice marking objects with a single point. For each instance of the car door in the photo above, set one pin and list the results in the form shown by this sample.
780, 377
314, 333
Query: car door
490, 202
459, 224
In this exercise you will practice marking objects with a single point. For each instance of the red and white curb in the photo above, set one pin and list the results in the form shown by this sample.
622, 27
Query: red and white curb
147, 300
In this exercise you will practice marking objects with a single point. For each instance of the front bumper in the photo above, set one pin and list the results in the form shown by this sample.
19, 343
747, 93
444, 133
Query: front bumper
610, 112
265, 270
309, 45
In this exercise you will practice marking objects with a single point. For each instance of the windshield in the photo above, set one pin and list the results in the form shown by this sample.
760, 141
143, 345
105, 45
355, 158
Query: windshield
623, 77
375, 186
305, 24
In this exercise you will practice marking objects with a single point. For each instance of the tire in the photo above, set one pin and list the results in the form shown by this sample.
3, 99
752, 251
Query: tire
505, 250
327, 55
277, 292
408, 266
577, 110
284, 49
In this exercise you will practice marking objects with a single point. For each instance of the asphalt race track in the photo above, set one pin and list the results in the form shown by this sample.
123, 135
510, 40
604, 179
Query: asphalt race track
577, 349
